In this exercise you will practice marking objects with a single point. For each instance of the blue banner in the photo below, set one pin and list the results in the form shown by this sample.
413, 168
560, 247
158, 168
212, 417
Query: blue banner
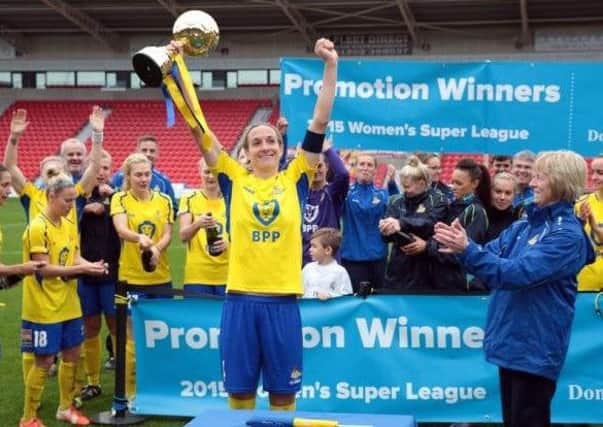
417, 355
487, 107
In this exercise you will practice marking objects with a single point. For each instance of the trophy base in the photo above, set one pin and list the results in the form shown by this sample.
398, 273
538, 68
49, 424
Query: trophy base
107, 418
147, 70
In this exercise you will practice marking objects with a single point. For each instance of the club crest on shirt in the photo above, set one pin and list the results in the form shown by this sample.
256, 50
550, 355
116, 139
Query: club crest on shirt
147, 228
421, 208
311, 213
266, 212
63, 256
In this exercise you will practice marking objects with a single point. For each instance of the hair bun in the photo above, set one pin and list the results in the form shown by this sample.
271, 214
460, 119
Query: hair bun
413, 161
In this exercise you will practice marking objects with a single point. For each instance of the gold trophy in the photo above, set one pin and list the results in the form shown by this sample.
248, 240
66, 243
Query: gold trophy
157, 66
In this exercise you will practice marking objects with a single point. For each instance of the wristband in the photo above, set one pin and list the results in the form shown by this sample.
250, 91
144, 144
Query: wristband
313, 142
97, 137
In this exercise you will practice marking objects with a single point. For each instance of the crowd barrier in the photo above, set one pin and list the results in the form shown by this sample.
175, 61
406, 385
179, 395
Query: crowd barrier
390, 354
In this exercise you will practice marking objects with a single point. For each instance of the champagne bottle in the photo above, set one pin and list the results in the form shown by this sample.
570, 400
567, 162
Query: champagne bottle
213, 235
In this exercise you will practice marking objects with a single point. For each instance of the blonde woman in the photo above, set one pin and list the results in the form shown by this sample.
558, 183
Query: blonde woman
33, 198
408, 224
206, 268
531, 270
500, 212
51, 311
143, 220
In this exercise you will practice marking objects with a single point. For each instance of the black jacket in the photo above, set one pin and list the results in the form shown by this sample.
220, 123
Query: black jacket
498, 221
417, 215
448, 275
98, 237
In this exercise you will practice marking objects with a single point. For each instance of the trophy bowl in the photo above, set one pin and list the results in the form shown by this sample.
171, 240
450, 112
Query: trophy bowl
198, 32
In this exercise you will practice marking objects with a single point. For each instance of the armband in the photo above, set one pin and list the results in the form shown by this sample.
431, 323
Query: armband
313, 142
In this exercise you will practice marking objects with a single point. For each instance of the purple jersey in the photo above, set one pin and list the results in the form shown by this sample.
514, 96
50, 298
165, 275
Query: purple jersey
323, 207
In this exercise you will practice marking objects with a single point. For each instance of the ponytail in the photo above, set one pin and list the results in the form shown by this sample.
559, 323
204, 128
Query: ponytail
480, 173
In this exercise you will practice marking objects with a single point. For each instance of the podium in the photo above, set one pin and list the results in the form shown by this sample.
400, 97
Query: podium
238, 418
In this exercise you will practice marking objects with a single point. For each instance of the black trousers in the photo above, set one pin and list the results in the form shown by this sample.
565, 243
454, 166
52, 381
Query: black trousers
365, 271
526, 398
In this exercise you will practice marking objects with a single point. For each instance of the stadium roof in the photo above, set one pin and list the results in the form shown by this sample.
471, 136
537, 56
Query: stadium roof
109, 20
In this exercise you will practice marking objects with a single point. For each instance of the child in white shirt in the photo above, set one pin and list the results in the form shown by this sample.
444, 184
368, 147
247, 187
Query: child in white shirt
324, 278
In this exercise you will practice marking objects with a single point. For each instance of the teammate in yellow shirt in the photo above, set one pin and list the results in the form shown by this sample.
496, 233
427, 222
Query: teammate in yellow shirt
261, 326
590, 209
9, 274
205, 272
143, 220
51, 312
34, 199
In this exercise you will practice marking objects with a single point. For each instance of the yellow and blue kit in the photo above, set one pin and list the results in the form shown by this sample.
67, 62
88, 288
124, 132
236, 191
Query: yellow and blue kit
261, 314
202, 269
51, 309
148, 217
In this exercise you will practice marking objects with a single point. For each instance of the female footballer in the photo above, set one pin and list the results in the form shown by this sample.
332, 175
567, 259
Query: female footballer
261, 326
206, 268
51, 310
143, 220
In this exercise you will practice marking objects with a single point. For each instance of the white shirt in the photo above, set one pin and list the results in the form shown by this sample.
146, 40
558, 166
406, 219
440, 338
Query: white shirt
331, 279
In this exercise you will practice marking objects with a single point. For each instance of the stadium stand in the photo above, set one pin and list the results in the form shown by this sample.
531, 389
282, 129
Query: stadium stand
54, 121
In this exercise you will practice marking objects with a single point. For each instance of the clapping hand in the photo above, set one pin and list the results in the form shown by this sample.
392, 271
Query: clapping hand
453, 237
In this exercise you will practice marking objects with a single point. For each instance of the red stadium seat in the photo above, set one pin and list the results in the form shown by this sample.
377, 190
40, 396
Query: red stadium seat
54, 121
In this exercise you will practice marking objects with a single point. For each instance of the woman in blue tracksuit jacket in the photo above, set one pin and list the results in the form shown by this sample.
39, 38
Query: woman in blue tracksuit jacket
363, 252
531, 269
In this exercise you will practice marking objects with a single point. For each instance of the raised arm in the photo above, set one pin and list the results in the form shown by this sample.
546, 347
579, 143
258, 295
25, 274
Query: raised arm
325, 49
97, 122
18, 125
208, 144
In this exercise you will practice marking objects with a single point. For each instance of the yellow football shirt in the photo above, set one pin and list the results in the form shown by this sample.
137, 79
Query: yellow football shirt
591, 276
50, 299
148, 217
264, 223
34, 201
201, 267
